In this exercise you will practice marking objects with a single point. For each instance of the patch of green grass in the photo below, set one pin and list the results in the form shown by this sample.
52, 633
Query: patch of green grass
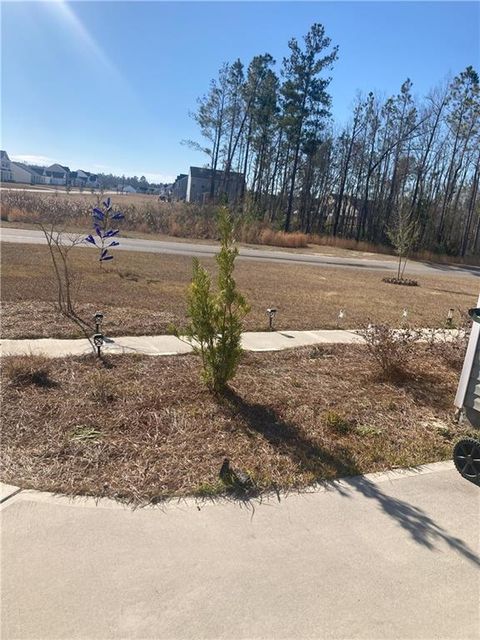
368, 431
83, 433
446, 432
337, 422
207, 489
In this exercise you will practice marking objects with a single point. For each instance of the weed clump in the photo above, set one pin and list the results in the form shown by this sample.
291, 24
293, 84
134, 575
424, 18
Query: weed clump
24, 371
337, 422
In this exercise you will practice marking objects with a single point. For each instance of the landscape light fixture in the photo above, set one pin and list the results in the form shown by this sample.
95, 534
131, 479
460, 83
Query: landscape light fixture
271, 313
98, 337
450, 318
98, 342
98, 320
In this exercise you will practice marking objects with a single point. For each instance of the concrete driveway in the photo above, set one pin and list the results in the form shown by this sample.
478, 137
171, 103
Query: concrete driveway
375, 557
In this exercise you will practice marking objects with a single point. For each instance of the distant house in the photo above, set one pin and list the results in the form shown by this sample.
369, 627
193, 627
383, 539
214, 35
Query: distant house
78, 178
164, 192
6, 167
57, 174
179, 187
128, 189
25, 174
84, 179
197, 185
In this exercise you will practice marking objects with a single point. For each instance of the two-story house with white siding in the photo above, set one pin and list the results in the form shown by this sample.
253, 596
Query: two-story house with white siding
57, 174
6, 167
26, 175
83, 179
468, 392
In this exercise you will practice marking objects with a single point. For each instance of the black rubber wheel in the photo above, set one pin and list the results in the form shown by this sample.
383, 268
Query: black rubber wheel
466, 457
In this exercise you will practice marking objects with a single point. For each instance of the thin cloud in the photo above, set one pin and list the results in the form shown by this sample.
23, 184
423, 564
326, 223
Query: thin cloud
33, 159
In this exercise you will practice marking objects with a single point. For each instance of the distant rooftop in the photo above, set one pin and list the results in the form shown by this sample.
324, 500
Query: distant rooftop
27, 168
202, 172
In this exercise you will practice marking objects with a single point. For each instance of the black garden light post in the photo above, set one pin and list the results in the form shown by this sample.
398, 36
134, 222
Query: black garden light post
271, 313
98, 337
450, 318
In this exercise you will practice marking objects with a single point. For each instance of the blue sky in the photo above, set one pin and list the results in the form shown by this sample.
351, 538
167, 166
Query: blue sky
108, 86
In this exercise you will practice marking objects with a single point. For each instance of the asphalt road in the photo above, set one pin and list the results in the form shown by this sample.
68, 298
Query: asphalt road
33, 236
368, 558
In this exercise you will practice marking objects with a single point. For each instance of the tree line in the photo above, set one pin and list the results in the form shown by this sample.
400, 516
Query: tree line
398, 158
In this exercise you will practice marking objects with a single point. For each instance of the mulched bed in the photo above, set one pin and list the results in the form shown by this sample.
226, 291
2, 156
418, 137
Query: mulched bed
406, 282
143, 429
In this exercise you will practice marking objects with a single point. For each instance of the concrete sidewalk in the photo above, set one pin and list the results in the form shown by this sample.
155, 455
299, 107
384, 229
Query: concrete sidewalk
170, 345
378, 557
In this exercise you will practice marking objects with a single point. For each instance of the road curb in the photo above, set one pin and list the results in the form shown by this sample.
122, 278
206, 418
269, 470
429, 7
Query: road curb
8, 491
89, 502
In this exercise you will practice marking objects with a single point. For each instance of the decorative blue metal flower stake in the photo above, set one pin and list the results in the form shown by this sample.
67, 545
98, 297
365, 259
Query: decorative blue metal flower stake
104, 234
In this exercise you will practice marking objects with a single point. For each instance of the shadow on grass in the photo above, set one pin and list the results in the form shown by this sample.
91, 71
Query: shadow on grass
287, 439
425, 390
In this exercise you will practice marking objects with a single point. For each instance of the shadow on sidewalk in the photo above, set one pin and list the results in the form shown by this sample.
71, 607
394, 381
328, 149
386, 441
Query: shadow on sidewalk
310, 457
418, 524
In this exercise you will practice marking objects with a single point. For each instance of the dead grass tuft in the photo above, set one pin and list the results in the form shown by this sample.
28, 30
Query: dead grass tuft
294, 239
24, 371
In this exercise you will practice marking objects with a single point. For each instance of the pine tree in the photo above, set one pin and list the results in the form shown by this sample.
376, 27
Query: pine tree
216, 318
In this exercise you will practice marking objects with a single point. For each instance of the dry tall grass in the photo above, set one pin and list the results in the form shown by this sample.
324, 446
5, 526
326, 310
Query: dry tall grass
294, 240
146, 214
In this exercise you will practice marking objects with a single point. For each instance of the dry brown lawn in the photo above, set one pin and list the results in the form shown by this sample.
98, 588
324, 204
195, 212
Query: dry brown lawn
86, 196
142, 429
144, 293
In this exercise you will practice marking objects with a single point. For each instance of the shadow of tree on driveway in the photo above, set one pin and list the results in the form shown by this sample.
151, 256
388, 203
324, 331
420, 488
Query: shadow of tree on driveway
287, 439
421, 527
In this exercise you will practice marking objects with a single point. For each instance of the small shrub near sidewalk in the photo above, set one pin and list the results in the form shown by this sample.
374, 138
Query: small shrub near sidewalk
216, 319
390, 349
